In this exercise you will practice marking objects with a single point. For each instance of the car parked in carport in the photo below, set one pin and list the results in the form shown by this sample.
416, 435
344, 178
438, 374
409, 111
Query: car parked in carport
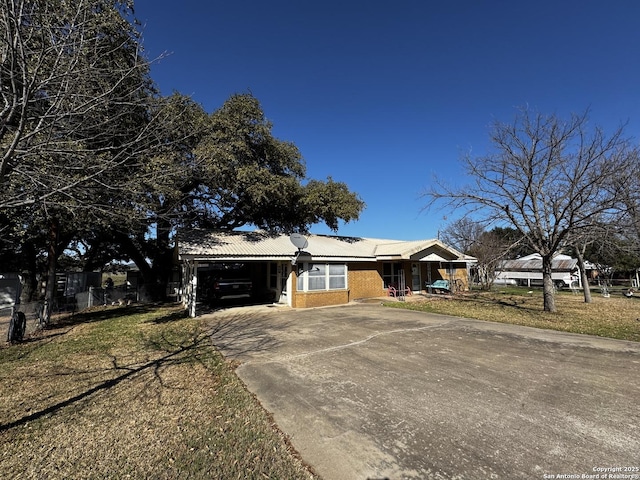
220, 281
232, 288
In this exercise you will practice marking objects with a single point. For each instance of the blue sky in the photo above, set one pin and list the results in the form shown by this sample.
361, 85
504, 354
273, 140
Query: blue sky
385, 95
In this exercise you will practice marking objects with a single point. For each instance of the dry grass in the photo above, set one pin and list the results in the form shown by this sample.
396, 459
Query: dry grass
123, 393
140, 393
614, 317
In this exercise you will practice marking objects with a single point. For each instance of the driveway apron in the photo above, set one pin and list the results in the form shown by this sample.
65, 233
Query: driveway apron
370, 392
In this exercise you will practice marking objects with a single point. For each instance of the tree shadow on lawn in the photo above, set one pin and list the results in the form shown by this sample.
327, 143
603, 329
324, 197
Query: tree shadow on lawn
62, 324
519, 302
174, 354
98, 314
232, 334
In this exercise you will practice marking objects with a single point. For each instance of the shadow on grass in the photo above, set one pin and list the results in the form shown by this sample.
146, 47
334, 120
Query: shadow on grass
233, 333
518, 301
60, 324
176, 315
98, 314
170, 358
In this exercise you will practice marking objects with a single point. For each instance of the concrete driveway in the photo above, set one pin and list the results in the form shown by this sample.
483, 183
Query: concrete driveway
368, 392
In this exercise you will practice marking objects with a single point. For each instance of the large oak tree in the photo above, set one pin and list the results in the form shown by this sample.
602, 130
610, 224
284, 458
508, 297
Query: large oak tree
231, 173
92, 158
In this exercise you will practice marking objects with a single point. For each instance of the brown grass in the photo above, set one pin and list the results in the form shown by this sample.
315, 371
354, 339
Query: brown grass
123, 393
614, 317
140, 393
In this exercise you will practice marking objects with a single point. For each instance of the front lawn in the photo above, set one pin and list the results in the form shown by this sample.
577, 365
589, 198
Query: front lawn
614, 317
130, 392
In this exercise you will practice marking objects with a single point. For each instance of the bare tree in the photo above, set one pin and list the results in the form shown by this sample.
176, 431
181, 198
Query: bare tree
629, 219
547, 177
74, 97
79, 117
489, 248
462, 234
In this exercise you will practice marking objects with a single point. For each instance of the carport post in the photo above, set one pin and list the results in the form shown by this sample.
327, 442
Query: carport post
193, 287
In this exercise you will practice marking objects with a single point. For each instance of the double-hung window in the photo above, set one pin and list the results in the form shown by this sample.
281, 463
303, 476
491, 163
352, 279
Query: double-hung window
322, 276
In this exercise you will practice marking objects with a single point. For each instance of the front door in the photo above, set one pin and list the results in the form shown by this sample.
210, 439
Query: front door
416, 284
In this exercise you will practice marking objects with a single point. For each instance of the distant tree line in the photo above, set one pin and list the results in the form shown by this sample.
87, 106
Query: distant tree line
610, 253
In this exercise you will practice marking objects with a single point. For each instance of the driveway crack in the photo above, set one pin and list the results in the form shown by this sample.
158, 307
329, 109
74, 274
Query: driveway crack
290, 357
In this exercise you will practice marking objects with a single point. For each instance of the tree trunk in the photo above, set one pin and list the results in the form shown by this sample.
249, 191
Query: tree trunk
130, 249
150, 276
163, 263
29, 274
52, 261
583, 274
547, 284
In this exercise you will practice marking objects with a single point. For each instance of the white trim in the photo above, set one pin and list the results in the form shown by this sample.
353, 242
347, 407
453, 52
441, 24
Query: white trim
434, 257
304, 277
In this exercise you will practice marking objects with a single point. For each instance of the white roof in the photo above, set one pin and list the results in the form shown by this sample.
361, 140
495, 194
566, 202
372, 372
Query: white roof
210, 245
533, 262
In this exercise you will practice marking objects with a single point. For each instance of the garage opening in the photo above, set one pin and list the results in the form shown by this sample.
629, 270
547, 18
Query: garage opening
235, 283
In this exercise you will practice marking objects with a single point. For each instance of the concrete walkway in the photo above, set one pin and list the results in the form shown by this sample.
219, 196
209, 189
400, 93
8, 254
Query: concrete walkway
368, 392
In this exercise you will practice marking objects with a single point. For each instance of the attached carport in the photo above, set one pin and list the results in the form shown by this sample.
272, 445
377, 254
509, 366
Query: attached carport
270, 278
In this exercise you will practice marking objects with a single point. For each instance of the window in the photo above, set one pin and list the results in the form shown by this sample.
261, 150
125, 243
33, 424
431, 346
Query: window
391, 274
317, 277
322, 276
273, 275
337, 277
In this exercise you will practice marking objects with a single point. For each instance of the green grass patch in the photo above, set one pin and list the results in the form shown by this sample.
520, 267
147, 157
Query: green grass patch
132, 393
614, 317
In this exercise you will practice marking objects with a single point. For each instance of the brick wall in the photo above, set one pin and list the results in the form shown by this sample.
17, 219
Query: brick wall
365, 280
441, 273
320, 298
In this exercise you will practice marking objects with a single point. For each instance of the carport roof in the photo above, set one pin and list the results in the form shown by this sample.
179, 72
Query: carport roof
200, 244
533, 262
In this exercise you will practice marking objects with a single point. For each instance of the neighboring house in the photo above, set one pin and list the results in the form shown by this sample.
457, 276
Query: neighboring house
329, 270
10, 289
527, 271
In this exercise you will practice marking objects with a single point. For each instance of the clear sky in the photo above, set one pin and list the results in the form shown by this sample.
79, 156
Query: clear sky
382, 95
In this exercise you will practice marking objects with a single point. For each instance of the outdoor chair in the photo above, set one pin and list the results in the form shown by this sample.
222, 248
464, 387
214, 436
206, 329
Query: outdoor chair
394, 292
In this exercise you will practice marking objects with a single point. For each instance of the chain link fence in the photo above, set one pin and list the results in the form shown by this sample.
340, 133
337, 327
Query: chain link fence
93, 297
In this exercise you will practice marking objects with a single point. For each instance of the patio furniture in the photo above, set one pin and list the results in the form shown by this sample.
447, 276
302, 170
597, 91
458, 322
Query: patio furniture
393, 291
440, 286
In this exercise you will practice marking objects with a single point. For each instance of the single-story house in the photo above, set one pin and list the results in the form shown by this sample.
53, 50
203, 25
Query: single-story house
310, 271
